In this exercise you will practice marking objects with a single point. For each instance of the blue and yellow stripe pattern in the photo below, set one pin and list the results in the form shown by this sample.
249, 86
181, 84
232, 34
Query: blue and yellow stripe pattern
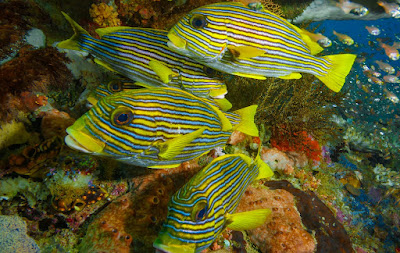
205, 206
253, 42
156, 127
142, 54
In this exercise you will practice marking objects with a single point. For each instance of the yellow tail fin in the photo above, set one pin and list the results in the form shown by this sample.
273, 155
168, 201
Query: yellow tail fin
246, 124
72, 43
340, 68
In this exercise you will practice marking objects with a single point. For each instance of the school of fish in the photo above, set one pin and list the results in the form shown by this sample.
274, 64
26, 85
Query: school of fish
169, 107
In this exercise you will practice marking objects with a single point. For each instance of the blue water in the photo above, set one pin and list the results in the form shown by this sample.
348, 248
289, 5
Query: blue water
374, 107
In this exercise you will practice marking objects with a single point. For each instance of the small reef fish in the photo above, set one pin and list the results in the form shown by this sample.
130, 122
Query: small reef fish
352, 8
142, 54
321, 39
205, 206
156, 127
392, 9
369, 72
373, 30
255, 43
376, 80
396, 45
345, 39
390, 51
385, 67
391, 79
391, 96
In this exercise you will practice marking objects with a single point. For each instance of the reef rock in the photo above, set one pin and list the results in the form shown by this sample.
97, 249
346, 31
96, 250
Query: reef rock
284, 231
13, 237
316, 216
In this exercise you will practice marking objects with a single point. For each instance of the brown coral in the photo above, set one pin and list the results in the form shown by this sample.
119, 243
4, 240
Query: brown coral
43, 70
284, 231
16, 17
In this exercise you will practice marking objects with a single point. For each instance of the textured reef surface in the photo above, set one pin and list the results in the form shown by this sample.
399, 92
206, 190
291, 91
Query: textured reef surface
335, 156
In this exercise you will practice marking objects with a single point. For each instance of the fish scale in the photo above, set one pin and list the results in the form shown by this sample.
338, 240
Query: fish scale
162, 118
236, 39
215, 192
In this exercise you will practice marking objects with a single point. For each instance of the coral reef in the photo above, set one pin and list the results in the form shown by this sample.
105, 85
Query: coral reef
141, 212
31, 158
31, 191
54, 123
283, 162
329, 233
104, 15
43, 69
13, 236
16, 18
13, 133
283, 232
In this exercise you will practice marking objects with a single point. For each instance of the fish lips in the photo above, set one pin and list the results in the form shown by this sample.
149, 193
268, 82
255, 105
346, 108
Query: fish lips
82, 142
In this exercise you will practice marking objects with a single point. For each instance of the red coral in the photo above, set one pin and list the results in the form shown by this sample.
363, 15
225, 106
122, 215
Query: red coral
303, 143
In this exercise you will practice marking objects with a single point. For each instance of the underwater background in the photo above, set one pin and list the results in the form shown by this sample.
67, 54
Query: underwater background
335, 156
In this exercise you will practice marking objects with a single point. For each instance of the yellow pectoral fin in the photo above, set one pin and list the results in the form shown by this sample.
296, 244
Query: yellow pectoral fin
218, 92
174, 147
92, 100
223, 103
245, 52
145, 85
291, 76
103, 31
103, 64
254, 76
247, 220
163, 72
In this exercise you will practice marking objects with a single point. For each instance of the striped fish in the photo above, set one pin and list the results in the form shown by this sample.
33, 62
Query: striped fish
156, 127
111, 87
142, 54
205, 206
121, 84
253, 42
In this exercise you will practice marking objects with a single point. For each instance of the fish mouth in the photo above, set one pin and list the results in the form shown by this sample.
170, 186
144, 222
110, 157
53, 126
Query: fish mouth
79, 140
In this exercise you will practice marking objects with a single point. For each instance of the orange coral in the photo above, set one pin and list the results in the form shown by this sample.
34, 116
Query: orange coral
104, 15
284, 231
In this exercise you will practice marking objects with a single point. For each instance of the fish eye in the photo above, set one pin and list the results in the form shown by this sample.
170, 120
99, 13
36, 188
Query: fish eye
210, 72
114, 86
121, 116
198, 21
201, 214
199, 211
